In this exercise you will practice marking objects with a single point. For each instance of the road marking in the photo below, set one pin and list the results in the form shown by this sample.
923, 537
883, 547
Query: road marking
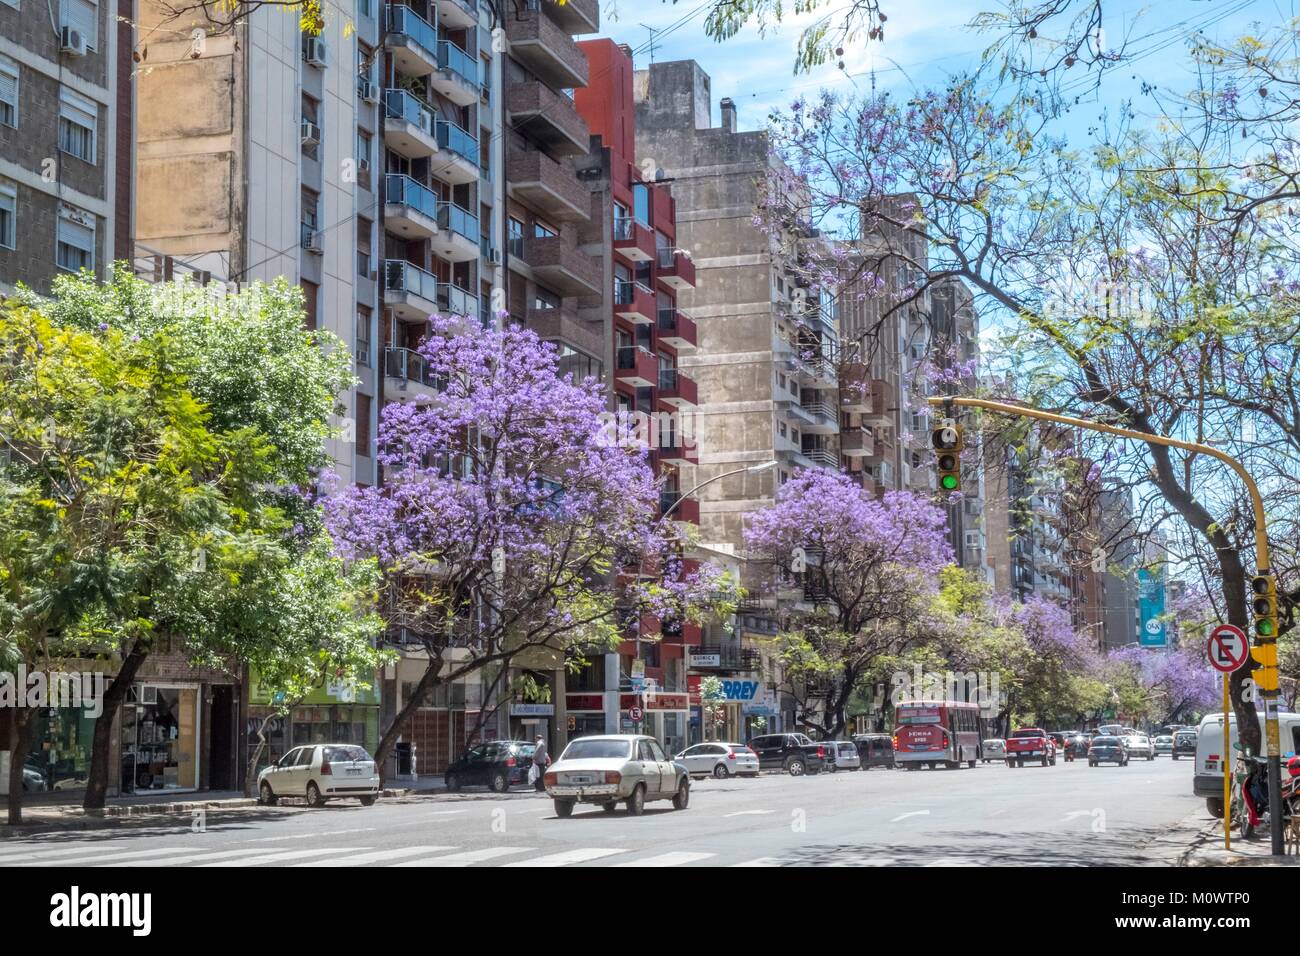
32, 852
308, 836
669, 859
283, 855
201, 856
760, 861
567, 857
468, 857
100, 857
914, 813
535, 810
375, 856
748, 813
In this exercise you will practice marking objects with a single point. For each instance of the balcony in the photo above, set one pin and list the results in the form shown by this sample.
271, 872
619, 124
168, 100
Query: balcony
575, 16
411, 40
551, 188
855, 388
410, 208
453, 300
559, 265
546, 50
409, 291
663, 207
634, 240
457, 159
458, 14
458, 235
677, 329
408, 125
457, 76
857, 443
563, 325
682, 632
407, 376
677, 451
882, 403
823, 418
634, 302
636, 366
676, 389
820, 455
547, 118
683, 509
725, 657
676, 270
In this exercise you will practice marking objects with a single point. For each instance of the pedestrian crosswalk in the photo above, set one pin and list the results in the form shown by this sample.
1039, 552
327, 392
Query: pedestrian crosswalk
120, 854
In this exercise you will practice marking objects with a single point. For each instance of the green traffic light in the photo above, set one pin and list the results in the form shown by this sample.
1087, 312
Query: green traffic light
949, 482
1264, 627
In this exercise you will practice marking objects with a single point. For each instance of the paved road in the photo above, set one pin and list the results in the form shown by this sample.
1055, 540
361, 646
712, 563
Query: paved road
1069, 814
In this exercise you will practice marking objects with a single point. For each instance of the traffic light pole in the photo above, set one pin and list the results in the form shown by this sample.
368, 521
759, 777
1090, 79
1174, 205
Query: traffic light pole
1265, 653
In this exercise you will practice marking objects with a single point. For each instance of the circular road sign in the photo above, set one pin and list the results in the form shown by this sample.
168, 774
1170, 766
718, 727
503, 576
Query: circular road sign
635, 713
1227, 648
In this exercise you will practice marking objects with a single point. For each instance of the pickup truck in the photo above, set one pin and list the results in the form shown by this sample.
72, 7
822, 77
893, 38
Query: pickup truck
1030, 743
796, 754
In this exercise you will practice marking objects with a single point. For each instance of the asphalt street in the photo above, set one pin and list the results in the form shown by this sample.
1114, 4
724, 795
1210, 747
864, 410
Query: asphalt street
1069, 814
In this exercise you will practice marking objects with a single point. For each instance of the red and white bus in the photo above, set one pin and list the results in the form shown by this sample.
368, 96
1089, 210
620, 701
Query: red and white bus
933, 732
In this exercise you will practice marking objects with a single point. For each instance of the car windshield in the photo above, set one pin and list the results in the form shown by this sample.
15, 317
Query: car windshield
1105, 741
597, 750
346, 753
1028, 733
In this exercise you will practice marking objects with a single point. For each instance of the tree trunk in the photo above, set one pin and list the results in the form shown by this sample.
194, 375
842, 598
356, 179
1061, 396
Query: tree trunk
102, 745
428, 681
250, 773
20, 743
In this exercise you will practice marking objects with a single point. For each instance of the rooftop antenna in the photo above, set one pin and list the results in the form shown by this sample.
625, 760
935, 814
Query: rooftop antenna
652, 31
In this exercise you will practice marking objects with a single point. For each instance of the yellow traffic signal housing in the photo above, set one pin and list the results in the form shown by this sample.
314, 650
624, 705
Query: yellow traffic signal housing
947, 441
1264, 604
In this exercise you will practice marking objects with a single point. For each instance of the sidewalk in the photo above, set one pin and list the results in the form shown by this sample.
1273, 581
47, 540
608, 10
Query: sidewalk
1207, 849
44, 814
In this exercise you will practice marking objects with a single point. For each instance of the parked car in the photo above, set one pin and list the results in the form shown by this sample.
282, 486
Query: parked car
1184, 744
1107, 749
623, 768
1076, 745
995, 748
1139, 745
841, 755
796, 754
1207, 775
33, 780
319, 773
1164, 744
719, 759
1030, 743
1058, 738
498, 765
875, 750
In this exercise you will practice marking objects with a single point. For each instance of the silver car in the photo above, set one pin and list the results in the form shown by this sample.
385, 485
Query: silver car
842, 755
994, 748
1139, 745
1165, 745
620, 768
719, 759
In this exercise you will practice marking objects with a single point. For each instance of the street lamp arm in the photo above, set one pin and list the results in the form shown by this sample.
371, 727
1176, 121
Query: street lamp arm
708, 481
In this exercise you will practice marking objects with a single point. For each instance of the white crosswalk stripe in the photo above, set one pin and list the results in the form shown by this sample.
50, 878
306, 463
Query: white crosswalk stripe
467, 857
99, 857
568, 857
284, 856
14, 857
201, 856
760, 861
375, 856
669, 859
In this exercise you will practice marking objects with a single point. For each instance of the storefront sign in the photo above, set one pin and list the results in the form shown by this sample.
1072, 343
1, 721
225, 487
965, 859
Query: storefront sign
693, 689
584, 702
706, 660
762, 705
739, 689
660, 701
532, 710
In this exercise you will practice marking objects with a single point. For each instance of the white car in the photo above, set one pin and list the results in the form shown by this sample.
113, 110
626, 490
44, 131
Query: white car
1165, 745
842, 755
1139, 745
628, 768
719, 759
995, 748
319, 773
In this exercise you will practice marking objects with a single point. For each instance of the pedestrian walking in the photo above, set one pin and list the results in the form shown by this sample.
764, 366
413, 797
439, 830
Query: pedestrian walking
541, 760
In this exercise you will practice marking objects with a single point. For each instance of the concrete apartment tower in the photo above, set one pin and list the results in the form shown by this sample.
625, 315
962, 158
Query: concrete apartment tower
66, 114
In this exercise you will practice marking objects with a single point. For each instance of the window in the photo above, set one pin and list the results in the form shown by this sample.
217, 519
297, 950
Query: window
363, 352
8, 216
641, 203
77, 121
8, 92
515, 237
363, 411
311, 134
309, 290
544, 301
364, 229
364, 160
82, 16
542, 231
75, 245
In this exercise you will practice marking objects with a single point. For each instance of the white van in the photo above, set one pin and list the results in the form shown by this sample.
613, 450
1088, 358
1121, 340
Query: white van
1207, 780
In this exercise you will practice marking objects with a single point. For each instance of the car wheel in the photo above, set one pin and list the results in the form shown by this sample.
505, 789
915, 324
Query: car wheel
1151, 756
682, 798
499, 783
369, 800
1092, 763
636, 802
1175, 756
971, 763
721, 772
795, 767
1044, 762
314, 798
266, 795
564, 808
609, 806
1215, 806
453, 782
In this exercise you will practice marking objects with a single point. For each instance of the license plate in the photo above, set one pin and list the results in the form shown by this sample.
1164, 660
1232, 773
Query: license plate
354, 771
577, 779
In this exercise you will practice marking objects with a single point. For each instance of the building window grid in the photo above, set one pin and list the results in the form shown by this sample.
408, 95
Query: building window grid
83, 16
8, 217
8, 91
75, 243
78, 119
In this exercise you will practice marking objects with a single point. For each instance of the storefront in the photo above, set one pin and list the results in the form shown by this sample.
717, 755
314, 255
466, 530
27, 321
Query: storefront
585, 715
664, 716
527, 721
333, 714
160, 736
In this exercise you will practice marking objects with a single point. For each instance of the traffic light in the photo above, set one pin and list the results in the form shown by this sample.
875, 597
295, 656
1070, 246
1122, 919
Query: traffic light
1264, 604
947, 448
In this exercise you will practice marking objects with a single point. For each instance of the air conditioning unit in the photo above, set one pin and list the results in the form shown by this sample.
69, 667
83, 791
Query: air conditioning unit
310, 133
494, 256
311, 241
314, 51
363, 165
71, 41
369, 90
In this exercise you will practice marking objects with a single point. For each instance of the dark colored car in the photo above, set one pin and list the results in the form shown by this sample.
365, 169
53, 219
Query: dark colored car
1107, 750
499, 765
796, 754
1076, 745
875, 750
1184, 744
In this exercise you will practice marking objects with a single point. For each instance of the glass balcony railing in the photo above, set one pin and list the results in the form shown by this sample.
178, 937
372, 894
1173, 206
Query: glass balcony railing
454, 300
405, 191
459, 141
456, 61
401, 276
626, 291
399, 104
458, 220
404, 21
624, 228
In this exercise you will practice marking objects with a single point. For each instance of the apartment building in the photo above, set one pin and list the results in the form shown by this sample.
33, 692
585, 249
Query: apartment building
66, 115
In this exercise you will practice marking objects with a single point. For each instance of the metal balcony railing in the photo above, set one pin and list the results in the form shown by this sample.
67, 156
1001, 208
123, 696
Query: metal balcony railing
402, 190
458, 219
402, 276
406, 22
455, 60
458, 140
400, 104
